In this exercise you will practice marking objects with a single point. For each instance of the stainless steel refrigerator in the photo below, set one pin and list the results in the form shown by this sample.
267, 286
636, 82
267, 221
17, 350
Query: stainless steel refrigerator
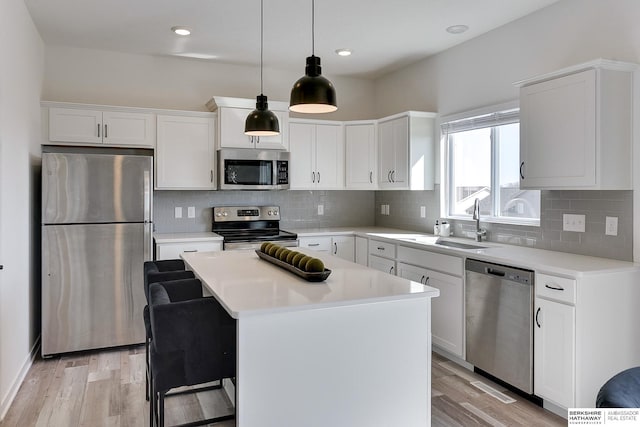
96, 234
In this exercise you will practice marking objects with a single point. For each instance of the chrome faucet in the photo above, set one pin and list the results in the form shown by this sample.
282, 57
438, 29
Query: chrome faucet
476, 216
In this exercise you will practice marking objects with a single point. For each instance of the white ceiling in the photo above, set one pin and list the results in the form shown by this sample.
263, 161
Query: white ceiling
383, 35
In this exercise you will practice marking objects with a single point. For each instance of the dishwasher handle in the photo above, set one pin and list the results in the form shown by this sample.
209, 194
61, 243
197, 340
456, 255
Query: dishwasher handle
495, 272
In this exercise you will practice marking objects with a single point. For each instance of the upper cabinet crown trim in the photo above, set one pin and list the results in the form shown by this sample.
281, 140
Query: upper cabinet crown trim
224, 101
117, 108
595, 64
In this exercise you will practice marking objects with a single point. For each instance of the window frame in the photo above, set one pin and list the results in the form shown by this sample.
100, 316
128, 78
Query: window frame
484, 115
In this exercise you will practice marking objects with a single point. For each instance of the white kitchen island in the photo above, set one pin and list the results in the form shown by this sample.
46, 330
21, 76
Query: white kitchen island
353, 351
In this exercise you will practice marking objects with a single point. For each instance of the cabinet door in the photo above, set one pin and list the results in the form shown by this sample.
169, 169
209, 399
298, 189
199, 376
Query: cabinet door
386, 161
185, 153
329, 153
382, 264
554, 346
318, 244
343, 247
360, 156
232, 134
447, 312
275, 142
400, 174
74, 125
362, 250
123, 128
558, 132
302, 156
411, 272
174, 250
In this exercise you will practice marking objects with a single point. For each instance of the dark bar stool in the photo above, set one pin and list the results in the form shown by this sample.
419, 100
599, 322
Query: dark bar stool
159, 271
621, 391
194, 342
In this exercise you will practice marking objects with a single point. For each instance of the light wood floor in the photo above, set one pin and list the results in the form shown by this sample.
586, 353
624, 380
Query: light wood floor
107, 388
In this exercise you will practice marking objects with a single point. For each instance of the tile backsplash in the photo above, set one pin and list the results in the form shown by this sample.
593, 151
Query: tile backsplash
404, 212
299, 208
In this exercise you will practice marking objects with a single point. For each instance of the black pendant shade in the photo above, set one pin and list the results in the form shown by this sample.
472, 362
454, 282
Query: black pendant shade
262, 121
313, 93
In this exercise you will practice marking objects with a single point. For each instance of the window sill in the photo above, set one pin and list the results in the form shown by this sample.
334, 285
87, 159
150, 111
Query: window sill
501, 221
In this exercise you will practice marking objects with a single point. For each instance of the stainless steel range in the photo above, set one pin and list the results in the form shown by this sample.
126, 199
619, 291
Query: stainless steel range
247, 227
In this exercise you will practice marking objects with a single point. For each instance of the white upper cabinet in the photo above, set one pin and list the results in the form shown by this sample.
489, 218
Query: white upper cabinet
360, 156
317, 155
406, 151
95, 126
232, 114
185, 153
576, 128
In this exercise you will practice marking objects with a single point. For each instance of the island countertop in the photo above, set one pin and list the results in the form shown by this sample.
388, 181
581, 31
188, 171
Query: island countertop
246, 285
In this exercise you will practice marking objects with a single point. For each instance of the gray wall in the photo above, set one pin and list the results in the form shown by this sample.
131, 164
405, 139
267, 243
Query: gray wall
596, 205
299, 208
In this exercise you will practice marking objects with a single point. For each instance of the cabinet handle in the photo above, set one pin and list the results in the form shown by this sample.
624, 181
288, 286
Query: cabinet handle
1, 267
370, 177
426, 282
211, 175
191, 250
380, 248
422, 280
105, 131
537, 313
555, 288
256, 139
389, 176
391, 270
313, 177
314, 244
335, 248
521, 174
318, 177
98, 130
393, 176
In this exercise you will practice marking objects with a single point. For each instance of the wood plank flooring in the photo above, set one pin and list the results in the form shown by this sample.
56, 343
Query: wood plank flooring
107, 388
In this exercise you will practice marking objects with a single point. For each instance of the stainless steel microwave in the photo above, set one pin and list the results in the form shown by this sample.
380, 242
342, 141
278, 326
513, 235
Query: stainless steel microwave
249, 169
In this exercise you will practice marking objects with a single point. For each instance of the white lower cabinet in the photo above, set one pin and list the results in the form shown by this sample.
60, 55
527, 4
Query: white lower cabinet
340, 246
447, 311
174, 250
362, 250
382, 264
554, 347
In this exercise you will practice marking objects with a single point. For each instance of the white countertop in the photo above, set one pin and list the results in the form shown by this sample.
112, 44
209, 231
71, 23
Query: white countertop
539, 260
246, 285
186, 237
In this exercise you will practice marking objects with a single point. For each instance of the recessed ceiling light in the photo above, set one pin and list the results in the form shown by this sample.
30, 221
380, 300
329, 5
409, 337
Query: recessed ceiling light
343, 52
181, 31
457, 29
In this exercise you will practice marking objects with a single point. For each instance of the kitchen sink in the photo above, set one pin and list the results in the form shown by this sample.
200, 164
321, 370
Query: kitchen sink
458, 245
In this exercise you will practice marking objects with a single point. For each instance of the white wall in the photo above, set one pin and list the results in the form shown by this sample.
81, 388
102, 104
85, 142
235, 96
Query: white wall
102, 77
482, 71
21, 56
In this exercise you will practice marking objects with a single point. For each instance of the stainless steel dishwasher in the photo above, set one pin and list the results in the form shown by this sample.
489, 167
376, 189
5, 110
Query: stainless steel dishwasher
499, 322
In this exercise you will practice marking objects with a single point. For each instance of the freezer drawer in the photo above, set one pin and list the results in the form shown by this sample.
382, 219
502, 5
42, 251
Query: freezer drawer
92, 286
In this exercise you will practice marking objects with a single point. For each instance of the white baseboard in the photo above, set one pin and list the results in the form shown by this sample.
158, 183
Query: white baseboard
6, 402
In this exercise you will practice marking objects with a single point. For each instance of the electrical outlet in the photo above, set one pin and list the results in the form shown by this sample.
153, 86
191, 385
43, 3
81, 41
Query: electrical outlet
386, 209
320, 209
571, 222
611, 226
423, 211
382, 209
178, 212
191, 212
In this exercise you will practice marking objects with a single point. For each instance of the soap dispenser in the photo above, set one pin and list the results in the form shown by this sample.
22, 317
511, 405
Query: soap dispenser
436, 229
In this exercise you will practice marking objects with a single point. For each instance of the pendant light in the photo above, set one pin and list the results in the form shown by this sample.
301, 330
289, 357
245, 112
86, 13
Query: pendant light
261, 121
313, 93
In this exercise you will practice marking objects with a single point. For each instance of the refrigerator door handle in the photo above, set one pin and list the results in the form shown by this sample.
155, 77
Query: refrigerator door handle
147, 196
148, 242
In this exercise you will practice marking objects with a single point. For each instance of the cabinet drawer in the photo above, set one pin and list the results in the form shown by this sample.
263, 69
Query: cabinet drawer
174, 250
383, 249
320, 244
435, 261
556, 288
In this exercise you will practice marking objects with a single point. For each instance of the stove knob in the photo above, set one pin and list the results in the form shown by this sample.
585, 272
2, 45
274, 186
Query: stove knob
269, 213
218, 214
275, 213
224, 214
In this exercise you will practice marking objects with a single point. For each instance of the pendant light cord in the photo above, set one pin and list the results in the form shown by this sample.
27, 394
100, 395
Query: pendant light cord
313, 27
261, 41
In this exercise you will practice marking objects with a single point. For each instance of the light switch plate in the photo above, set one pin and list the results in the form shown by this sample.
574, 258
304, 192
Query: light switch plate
423, 211
382, 209
320, 209
572, 222
191, 212
611, 226
178, 212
